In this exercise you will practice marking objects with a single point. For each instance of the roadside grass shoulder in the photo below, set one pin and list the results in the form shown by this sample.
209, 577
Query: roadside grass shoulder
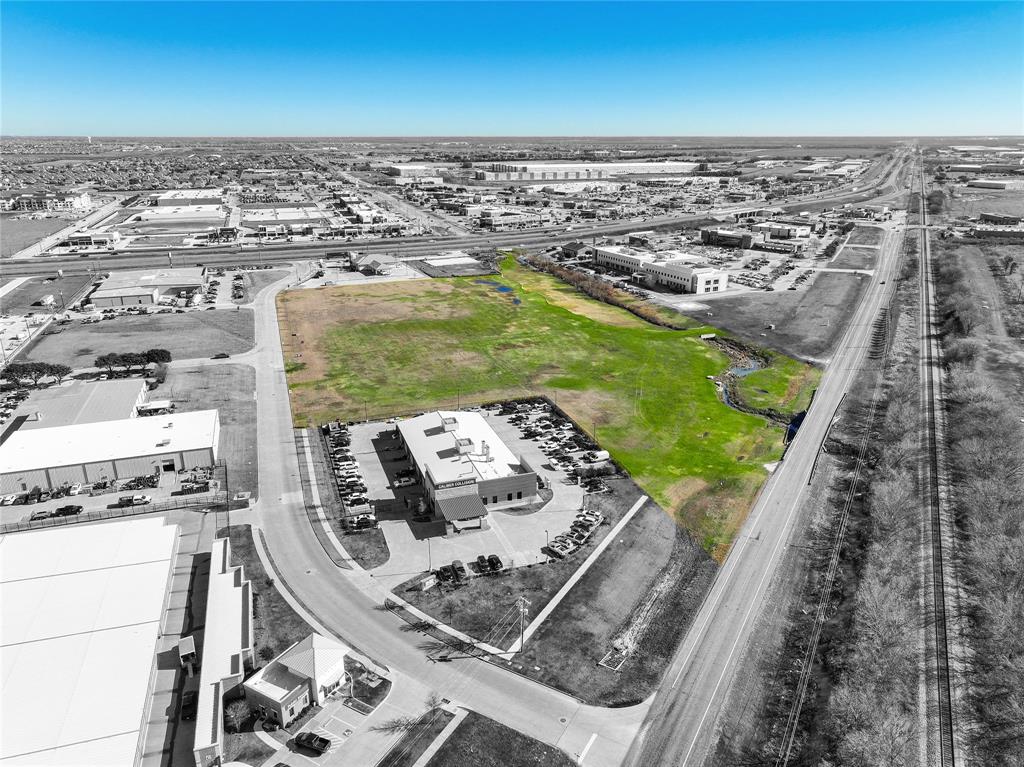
277, 626
482, 742
784, 384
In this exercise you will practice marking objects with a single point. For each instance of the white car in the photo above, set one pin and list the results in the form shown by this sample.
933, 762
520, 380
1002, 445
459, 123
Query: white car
7, 500
405, 482
75, 489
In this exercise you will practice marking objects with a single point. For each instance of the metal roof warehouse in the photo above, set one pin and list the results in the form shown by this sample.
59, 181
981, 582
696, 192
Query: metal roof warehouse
82, 608
90, 452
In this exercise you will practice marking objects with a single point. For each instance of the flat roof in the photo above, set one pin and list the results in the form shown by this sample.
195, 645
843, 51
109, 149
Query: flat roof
77, 402
108, 440
136, 290
437, 450
226, 635
149, 278
81, 608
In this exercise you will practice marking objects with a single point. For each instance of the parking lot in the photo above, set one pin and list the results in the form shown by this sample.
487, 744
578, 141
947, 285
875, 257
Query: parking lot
517, 536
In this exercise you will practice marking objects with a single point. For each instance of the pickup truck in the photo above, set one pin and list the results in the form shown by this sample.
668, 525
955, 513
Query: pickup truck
133, 500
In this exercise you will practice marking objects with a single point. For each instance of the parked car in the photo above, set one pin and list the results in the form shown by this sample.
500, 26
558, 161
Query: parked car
460, 569
7, 500
495, 562
312, 742
75, 489
36, 516
404, 482
68, 511
189, 704
481, 564
221, 356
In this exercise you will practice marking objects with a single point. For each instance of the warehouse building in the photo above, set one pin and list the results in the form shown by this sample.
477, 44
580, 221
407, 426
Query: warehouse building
782, 230
726, 238
183, 197
227, 651
108, 450
465, 467
577, 171
82, 613
144, 287
77, 402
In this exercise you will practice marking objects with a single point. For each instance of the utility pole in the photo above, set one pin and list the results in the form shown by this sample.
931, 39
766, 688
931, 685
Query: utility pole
523, 603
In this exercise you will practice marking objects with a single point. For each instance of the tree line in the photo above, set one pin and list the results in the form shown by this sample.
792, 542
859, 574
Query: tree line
986, 444
603, 291
36, 371
128, 361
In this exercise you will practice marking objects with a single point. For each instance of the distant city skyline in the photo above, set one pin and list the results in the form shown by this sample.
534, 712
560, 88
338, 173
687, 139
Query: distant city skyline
531, 69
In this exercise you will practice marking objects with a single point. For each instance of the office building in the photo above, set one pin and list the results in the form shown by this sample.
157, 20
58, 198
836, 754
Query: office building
464, 466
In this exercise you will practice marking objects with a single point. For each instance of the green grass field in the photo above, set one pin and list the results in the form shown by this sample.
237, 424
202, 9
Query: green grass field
400, 347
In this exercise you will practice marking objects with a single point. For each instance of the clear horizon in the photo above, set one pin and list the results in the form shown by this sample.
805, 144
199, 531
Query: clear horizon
493, 70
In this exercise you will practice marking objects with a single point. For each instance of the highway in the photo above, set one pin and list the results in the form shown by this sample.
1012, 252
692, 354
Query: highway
681, 725
882, 182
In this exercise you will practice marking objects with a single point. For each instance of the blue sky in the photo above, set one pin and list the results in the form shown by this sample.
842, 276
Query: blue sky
350, 69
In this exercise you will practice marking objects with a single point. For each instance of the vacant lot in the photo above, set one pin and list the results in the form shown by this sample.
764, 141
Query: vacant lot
972, 201
855, 257
389, 348
808, 323
18, 233
228, 389
652, 555
25, 297
866, 235
482, 742
186, 336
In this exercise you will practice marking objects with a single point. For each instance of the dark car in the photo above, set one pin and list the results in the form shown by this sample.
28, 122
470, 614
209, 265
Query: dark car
189, 704
312, 742
221, 356
67, 511
495, 562
460, 569
481, 564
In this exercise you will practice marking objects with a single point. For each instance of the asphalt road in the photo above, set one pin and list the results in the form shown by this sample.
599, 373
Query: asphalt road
347, 602
681, 725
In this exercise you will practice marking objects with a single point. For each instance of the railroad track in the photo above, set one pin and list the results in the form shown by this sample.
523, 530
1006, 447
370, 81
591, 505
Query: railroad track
937, 565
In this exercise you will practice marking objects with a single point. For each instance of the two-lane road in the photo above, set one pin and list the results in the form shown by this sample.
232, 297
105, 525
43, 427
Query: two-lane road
681, 725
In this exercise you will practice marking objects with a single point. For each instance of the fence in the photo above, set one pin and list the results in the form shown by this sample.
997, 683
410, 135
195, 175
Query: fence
183, 502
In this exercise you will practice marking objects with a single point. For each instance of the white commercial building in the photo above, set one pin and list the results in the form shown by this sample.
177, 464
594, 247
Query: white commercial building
227, 652
81, 607
108, 450
782, 230
45, 201
147, 286
576, 171
671, 269
180, 197
464, 465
